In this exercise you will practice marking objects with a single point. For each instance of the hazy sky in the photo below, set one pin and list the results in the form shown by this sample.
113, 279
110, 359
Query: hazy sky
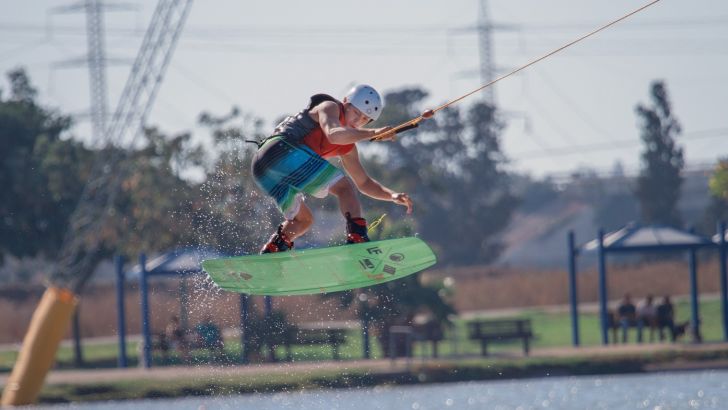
575, 109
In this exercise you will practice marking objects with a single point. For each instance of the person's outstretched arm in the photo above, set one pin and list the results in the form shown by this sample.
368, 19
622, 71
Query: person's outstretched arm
369, 186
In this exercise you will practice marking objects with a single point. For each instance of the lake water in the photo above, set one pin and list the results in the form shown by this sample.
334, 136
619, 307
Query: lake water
678, 390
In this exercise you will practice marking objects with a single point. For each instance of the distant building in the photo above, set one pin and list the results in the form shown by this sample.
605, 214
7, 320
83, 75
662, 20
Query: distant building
537, 239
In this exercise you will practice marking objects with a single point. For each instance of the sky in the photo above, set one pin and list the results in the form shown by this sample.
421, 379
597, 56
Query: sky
571, 111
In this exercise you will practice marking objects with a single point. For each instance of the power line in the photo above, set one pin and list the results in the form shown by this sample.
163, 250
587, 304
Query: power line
23, 48
418, 30
565, 135
575, 109
266, 40
203, 84
616, 144
697, 165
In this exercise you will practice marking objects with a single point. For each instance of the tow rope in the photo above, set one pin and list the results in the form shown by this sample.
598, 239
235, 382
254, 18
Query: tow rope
414, 123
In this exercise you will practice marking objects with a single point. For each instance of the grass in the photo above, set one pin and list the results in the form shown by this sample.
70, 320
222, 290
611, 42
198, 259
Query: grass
453, 370
96, 355
554, 329
551, 330
192, 386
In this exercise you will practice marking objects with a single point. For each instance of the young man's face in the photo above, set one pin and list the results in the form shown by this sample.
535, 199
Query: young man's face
354, 117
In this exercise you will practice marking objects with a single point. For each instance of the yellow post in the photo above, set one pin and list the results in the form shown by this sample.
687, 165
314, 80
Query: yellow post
47, 327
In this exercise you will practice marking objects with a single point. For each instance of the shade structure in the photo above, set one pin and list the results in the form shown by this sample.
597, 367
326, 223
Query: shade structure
648, 238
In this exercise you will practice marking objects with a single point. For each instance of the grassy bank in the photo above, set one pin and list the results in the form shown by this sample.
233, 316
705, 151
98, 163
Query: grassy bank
442, 371
552, 329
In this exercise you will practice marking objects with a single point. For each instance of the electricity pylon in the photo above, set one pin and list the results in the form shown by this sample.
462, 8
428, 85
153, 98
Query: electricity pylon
79, 253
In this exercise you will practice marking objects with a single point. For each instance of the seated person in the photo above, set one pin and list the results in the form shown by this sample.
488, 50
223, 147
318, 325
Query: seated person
626, 314
163, 345
646, 316
612, 324
176, 334
209, 335
666, 318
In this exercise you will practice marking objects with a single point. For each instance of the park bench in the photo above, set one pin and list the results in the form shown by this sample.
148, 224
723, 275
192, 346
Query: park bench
204, 338
418, 332
430, 331
308, 336
501, 330
654, 329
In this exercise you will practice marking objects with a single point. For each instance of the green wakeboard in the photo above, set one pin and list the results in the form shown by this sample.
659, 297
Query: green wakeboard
323, 270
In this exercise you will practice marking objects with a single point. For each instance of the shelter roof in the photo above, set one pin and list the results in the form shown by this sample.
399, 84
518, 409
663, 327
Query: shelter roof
716, 238
649, 236
178, 261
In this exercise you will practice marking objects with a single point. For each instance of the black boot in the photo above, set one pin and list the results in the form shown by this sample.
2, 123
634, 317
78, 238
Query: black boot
356, 230
279, 242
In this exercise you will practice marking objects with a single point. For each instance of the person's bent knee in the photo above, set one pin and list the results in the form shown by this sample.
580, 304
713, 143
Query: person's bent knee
342, 187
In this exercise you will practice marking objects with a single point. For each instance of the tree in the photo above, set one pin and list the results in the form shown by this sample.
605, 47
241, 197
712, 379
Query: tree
717, 209
41, 173
165, 210
659, 182
453, 166
230, 212
719, 180
153, 213
534, 193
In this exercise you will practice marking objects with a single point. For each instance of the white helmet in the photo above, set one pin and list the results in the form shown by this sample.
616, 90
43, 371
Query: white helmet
366, 99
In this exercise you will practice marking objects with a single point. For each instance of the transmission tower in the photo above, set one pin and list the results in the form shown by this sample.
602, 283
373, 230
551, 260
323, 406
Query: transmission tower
79, 253
485, 50
95, 57
96, 66
487, 68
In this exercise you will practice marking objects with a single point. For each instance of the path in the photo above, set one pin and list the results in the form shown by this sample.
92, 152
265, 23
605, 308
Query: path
375, 366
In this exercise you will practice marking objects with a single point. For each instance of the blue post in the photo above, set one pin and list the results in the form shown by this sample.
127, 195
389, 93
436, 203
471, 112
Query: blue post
120, 311
184, 304
268, 311
146, 333
603, 289
365, 336
723, 278
244, 328
695, 315
573, 297
268, 307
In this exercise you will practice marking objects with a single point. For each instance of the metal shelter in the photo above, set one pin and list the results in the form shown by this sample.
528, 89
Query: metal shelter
178, 262
655, 238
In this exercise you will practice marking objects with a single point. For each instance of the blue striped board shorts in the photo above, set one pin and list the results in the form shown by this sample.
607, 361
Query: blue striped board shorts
287, 171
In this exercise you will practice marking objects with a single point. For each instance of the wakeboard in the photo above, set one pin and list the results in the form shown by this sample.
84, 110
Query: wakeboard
322, 270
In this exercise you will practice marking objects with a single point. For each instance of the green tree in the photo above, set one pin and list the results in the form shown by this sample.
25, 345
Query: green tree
224, 210
717, 209
719, 180
43, 175
40, 172
659, 182
534, 193
453, 166
230, 212
153, 211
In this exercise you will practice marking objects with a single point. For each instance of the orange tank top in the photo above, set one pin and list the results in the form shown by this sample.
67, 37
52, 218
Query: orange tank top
317, 141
